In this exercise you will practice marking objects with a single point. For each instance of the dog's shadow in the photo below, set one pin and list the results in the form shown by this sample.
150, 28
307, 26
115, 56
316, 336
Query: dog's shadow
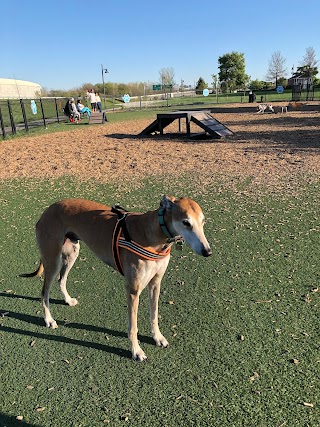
38, 321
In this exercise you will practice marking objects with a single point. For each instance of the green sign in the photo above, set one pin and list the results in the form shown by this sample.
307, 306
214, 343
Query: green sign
156, 87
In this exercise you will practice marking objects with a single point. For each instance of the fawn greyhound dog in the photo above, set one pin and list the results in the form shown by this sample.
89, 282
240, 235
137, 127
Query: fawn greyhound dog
136, 244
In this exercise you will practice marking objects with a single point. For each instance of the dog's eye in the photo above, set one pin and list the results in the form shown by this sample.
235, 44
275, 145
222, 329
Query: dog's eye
186, 223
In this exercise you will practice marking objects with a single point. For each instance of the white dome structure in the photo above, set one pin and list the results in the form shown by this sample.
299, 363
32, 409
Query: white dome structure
12, 88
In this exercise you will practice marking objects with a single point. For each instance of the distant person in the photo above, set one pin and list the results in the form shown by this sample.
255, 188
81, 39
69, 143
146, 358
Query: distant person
75, 112
67, 109
82, 109
87, 96
98, 102
71, 111
92, 99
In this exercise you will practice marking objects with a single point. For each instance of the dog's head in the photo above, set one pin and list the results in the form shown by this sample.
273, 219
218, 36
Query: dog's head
185, 218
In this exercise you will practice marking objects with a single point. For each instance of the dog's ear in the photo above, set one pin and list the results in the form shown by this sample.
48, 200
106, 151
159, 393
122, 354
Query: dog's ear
167, 202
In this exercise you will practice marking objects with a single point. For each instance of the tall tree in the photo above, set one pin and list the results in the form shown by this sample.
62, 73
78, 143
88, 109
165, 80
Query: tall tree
276, 67
308, 66
309, 58
232, 70
201, 84
215, 82
166, 76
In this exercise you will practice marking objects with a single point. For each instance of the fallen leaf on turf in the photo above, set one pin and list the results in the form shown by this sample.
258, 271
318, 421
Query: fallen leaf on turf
125, 417
171, 302
30, 387
315, 290
4, 313
66, 361
254, 377
241, 337
307, 298
19, 418
295, 361
32, 343
41, 409
310, 405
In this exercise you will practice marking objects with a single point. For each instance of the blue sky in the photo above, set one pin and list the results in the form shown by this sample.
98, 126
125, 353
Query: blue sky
62, 44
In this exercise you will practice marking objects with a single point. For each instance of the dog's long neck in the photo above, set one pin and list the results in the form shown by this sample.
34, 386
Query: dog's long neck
145, 229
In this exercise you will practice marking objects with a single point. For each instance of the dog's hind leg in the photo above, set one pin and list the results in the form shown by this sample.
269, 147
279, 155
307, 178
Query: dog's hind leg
70, 252
51, 270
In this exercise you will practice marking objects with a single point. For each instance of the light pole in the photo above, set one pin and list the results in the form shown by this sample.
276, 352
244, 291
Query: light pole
104, 71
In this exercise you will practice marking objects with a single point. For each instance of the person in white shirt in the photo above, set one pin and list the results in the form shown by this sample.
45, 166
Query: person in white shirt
75, 112
92, 99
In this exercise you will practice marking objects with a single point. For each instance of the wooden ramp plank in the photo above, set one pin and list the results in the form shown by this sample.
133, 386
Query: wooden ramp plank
152, 128
158, 125
211, 125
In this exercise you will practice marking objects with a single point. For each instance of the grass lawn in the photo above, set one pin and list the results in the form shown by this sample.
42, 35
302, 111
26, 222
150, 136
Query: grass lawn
243, 325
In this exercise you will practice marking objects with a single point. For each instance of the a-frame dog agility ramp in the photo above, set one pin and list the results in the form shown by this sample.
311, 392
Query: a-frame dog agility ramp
203, 119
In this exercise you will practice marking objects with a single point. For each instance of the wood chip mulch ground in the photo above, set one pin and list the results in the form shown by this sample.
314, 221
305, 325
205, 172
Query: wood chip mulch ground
267, 148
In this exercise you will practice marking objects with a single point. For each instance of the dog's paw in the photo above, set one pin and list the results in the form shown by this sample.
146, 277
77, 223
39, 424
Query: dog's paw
161, 341
72, 302
139, 356
52, 324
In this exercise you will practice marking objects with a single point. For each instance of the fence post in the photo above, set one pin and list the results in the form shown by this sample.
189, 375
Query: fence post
13, 126
24, 115
2, 125
55, 101
44, 119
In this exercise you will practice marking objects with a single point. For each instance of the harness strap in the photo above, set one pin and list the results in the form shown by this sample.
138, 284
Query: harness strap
127, 243
141, 251
122, 214
115, 247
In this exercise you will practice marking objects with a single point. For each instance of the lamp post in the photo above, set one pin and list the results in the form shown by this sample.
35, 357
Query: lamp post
104, 71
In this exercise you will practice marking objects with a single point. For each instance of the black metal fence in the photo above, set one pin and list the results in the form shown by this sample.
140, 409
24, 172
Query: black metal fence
23, 114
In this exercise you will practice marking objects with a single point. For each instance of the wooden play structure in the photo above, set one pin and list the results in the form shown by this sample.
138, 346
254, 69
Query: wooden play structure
210, 126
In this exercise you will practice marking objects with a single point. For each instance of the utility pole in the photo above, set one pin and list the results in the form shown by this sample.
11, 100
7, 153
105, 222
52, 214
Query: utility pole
104, 71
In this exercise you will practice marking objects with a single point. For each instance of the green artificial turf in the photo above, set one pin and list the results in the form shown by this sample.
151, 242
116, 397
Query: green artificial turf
243, 325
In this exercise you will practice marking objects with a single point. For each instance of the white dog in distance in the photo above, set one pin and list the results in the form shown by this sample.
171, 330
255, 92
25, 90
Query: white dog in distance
265, 107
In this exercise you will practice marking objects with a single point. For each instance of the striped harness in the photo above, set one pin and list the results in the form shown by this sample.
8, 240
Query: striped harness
125, 241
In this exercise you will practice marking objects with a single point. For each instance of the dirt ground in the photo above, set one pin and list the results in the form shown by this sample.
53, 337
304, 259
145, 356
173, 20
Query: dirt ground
267, 148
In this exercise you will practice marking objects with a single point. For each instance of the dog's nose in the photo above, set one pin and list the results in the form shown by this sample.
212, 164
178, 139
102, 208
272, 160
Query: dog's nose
206, 252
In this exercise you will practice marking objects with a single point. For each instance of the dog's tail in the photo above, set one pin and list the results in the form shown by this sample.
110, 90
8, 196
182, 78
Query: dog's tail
36, 273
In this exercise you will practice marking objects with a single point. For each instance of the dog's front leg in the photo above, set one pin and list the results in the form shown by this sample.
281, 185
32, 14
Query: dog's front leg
133, 304
154, 292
